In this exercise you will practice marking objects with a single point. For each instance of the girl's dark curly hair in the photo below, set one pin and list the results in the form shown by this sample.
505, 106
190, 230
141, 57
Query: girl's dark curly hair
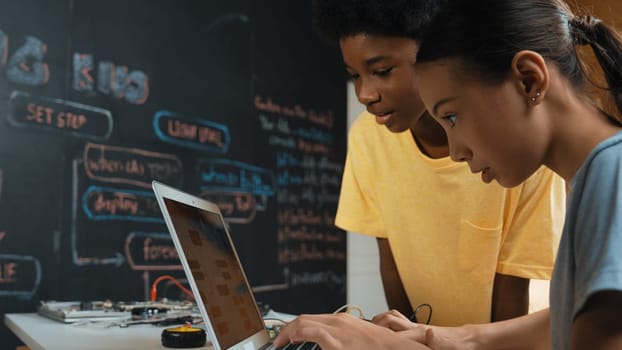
335, 19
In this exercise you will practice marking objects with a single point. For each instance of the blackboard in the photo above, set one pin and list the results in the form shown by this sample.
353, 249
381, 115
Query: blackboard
236, 101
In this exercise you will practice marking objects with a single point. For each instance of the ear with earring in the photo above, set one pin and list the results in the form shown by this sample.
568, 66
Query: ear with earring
535, 98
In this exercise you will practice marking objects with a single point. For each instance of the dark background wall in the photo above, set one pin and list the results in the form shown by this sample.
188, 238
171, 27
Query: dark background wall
236, 101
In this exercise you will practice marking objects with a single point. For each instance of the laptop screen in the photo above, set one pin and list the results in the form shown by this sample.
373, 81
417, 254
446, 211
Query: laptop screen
217, 273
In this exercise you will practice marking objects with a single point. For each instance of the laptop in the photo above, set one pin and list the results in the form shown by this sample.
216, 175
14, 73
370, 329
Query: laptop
214, 272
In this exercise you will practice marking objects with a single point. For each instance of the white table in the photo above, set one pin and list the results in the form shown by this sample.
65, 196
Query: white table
39, 333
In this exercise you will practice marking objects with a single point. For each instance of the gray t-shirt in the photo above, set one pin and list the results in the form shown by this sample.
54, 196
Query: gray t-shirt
589, 259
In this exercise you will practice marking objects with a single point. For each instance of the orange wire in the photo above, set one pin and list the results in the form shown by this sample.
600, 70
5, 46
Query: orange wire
153, 293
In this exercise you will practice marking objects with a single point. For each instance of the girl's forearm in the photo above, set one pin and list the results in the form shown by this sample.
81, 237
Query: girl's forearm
527, 332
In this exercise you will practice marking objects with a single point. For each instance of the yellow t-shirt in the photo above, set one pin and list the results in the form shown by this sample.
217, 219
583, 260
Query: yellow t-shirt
449, 232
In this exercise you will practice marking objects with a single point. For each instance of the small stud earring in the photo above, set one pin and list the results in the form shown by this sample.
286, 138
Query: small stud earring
533, 99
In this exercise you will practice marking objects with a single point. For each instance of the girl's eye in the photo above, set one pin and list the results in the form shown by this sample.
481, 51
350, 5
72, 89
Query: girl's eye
353, 76
383, 72
451, 118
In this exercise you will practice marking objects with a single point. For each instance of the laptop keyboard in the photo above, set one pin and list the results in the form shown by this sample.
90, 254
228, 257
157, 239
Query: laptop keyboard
297, 346
301, 346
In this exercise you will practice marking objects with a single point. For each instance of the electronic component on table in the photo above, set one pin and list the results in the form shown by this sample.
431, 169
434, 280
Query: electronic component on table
183, 337
76, 311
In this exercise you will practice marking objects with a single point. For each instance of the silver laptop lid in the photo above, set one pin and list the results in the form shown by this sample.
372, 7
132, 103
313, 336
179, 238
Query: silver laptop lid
214, 272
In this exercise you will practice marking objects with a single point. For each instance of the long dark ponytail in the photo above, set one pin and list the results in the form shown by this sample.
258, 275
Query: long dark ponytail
607, 47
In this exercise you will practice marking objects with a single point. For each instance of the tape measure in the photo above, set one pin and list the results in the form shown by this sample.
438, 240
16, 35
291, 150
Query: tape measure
183, 337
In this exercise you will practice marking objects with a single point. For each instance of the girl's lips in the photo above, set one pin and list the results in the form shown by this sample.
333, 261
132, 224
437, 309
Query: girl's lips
384, 118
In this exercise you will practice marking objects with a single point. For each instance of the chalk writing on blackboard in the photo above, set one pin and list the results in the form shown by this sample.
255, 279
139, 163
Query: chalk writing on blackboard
198, 134
325, 118
316, 278
296, 135
307, 183
232, 176
236, 207
104, 203
112, 79
65, 117
26, 65
307, 140
300, 251
132, 166
115, 258
307, 179
151, 251
20, 275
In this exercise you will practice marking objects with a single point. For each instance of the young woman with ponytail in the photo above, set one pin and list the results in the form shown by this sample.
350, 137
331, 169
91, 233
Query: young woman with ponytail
504, 79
